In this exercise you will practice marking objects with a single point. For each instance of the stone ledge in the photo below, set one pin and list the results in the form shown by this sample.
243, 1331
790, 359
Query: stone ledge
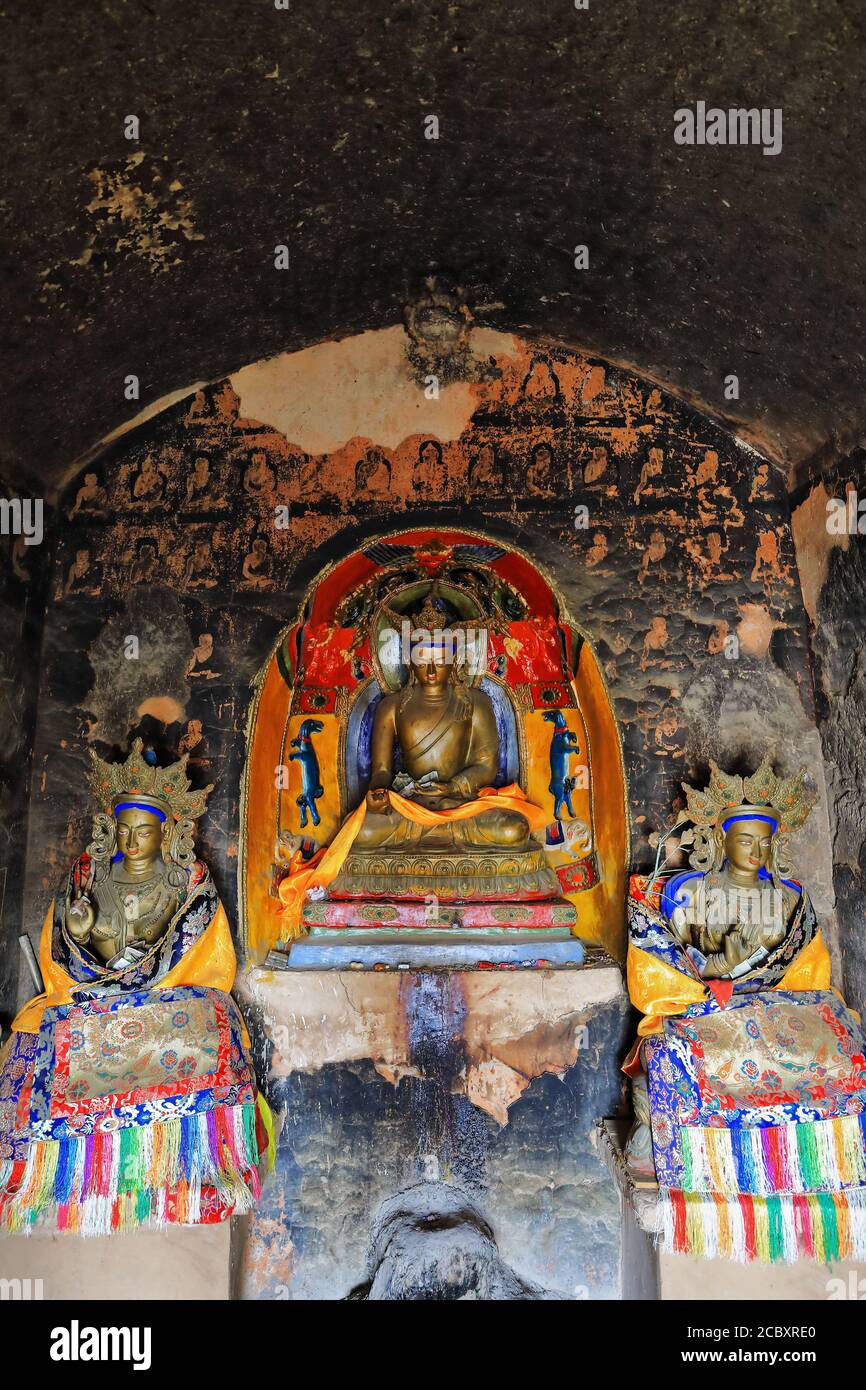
386, 949
642, 1200
176, 1262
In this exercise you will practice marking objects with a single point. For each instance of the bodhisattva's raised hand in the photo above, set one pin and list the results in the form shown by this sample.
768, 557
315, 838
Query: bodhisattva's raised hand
80, 919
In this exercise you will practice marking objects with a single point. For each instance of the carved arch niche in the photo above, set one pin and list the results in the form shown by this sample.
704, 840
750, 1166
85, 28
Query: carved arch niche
309, 725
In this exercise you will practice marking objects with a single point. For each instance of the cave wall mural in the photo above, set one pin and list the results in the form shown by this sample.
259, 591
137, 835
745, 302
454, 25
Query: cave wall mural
198, 533
829, 529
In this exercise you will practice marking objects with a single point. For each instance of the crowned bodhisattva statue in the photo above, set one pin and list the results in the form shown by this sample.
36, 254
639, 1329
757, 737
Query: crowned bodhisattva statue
134, 877
749, 1074
127, 1093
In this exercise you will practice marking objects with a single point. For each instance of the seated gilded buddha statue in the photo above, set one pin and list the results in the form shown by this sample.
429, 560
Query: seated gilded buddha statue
449, 750
435, 749
127, 1091
432, 820
749, 1073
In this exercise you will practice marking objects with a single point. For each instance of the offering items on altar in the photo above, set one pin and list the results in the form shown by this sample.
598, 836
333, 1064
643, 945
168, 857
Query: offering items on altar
749, 1074
127, 1094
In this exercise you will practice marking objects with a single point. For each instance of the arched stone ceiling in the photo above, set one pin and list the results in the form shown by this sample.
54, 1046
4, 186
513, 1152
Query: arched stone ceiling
260, 126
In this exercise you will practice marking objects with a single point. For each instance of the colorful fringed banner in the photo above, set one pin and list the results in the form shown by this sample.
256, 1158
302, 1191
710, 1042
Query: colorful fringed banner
784, 1227
197, 1168
802, 1157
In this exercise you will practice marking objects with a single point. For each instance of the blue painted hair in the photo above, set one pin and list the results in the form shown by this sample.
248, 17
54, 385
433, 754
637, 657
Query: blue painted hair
749, 815
140, 806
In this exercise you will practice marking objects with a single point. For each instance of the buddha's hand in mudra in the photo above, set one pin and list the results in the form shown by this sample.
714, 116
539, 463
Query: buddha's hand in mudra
736, 948
437, 791
379, 801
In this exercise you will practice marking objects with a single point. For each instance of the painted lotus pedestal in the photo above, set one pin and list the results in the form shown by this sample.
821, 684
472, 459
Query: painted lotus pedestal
749, 1071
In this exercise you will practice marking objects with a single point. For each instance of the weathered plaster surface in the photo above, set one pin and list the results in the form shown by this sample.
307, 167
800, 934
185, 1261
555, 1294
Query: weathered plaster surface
834, 569
360, 388
512, 1026
23, 576
814, 544
359, 1136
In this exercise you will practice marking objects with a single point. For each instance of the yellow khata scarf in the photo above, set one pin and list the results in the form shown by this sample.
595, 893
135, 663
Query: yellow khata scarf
659, 991
210, 961
323, 868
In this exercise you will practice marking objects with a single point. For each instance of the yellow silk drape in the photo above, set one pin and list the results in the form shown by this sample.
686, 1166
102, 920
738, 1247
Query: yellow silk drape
659, 991
210, 962
323, 868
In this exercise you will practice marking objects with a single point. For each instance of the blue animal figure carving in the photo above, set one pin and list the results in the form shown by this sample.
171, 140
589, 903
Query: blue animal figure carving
305, 754
563, 743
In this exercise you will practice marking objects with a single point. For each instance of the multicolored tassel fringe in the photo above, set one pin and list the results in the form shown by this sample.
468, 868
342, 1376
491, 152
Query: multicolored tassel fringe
784, 1227
197, 1168
805, 1157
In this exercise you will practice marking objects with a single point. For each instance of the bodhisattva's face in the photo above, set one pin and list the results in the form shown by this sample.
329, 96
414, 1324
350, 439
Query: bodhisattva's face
431, 666
748, 844
139, 838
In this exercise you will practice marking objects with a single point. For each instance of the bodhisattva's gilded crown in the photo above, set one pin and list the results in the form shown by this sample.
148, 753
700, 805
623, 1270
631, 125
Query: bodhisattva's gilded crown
167, 789
787, 800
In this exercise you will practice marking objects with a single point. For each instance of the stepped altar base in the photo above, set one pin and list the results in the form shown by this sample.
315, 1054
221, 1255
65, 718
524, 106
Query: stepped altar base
385, 915
372, 934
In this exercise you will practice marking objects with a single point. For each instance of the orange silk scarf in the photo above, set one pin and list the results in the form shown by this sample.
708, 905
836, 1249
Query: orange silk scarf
324, 866
210, 961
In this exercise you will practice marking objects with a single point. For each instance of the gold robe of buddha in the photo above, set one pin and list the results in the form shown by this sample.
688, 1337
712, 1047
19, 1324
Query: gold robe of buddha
449, 749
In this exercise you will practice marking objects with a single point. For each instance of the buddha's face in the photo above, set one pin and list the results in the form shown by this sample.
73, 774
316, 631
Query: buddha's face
748, 844
431, 665
139, 838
